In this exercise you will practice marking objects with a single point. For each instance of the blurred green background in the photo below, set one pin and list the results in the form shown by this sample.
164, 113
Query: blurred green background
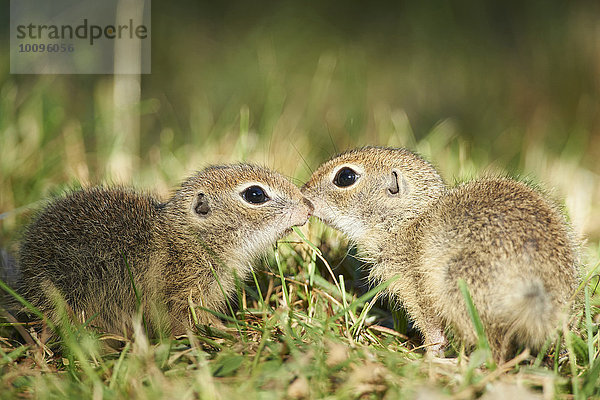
473, 85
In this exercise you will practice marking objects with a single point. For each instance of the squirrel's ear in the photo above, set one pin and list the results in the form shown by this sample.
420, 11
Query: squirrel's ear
202, 208
398, 185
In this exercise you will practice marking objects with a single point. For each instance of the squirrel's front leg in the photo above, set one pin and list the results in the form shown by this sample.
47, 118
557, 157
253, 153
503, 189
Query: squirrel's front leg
433, 337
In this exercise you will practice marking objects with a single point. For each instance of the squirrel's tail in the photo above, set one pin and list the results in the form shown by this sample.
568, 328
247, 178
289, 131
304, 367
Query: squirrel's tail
530, 314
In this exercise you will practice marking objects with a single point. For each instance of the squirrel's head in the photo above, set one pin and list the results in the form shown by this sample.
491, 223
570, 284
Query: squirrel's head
371, 188
239, 209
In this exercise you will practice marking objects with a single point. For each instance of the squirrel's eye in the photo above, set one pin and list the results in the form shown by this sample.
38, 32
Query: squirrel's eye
345, 177
255, 195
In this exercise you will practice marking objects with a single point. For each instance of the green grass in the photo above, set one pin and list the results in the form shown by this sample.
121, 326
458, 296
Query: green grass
474, 87
299, 340
305, 327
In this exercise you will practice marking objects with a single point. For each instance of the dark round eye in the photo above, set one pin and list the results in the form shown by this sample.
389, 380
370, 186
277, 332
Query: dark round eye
345, 177
255, 195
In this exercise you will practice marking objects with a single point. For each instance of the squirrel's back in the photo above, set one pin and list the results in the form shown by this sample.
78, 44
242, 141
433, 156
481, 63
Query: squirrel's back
84, 246
513, 249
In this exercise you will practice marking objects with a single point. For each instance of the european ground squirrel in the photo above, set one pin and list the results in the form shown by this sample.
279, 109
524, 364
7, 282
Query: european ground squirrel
82, 247
511, 246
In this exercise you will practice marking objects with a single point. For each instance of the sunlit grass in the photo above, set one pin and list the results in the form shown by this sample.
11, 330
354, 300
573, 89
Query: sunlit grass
304, 328
287, 95
300, 335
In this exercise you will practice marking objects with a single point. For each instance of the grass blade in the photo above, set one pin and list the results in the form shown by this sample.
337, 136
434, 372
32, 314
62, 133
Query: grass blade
138, 295
589, 326
117, 369
286, 296
25, 303
482, 341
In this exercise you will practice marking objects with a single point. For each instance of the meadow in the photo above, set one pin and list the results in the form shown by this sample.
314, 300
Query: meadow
475, 87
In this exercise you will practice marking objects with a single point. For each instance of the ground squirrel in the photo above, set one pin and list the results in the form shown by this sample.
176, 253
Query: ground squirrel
84, 244
512, 247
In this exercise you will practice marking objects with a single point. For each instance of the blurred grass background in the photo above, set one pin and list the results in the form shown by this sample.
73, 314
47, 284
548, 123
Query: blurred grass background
473, 85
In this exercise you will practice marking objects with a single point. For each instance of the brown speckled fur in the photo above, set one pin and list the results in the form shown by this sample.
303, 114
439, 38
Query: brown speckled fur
512, 246
78, 245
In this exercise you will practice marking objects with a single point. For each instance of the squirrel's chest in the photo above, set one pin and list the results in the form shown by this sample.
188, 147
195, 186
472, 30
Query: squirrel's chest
396, 261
